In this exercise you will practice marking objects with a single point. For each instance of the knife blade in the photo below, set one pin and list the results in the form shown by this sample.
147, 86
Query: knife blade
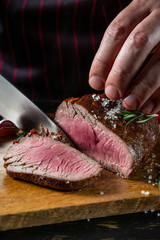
17, 108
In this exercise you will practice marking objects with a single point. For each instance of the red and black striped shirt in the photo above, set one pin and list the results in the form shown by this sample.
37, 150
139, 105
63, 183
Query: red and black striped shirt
47, 46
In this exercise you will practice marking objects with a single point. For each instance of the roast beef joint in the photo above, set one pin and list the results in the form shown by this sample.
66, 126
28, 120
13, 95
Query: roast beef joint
94, 125
102, 139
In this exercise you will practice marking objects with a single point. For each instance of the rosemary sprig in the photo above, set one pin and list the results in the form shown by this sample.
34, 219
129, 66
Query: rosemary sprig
23, 134
135, 115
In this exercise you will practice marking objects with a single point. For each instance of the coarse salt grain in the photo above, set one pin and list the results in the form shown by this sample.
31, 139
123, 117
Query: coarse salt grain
101, 193
105, 102
145, 192
142, 192
95, 116
95, 97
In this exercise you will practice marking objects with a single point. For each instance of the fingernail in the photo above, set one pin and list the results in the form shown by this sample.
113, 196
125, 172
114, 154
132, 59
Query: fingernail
132, 101
97, 82
112, 92
148, 108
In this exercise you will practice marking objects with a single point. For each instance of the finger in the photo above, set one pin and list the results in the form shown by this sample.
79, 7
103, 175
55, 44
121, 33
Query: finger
132, 55
113, 40
153, 103
145, 85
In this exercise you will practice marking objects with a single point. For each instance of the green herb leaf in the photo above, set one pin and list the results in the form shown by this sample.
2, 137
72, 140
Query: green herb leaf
20, 136
133, 115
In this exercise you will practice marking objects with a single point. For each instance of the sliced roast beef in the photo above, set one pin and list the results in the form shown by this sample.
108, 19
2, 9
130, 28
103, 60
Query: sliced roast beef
94, 125
45, 159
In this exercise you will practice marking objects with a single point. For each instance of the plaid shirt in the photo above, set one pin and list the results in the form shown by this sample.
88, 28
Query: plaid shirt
47, 46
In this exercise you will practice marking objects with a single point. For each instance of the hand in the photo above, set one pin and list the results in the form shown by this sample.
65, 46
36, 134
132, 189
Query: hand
120, 65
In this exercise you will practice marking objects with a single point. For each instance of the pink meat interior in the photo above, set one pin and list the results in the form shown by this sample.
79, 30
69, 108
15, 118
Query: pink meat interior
103, 145
53, 157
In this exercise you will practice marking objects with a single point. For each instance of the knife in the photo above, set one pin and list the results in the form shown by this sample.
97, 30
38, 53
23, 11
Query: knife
17, 108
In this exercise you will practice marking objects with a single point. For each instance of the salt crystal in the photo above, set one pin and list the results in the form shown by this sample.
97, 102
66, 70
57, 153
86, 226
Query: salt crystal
152, 210
158, 214
101, 193
95, 97
88, 219
150, 177
145, 211
147, 193
67, 182
142, 192
105, 102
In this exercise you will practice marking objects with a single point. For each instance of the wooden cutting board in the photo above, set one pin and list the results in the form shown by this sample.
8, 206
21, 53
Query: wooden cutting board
23, 204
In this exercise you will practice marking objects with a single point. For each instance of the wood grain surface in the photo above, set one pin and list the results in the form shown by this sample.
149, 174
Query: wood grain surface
24, 204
